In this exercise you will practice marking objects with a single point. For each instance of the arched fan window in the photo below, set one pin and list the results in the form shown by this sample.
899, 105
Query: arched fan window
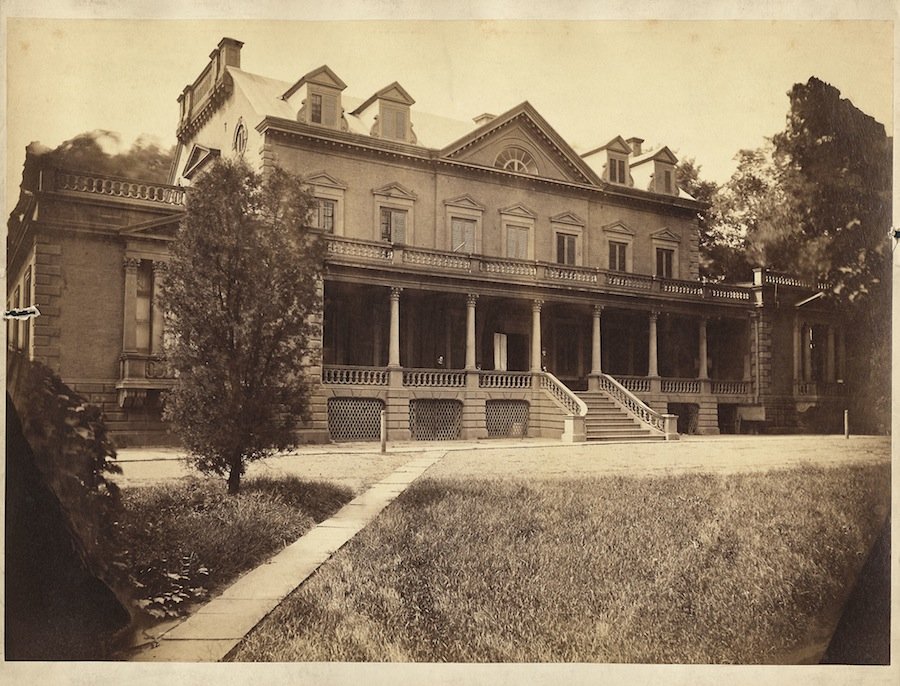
240, 138
517, 160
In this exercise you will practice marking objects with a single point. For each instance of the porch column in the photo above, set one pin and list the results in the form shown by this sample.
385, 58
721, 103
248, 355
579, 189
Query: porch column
129, 330
704, 371
471, 299
595, 342
394, 346
748, 368
829, 357
158, 322
841, 356
807, 353
653, 369
536, 335
798, 351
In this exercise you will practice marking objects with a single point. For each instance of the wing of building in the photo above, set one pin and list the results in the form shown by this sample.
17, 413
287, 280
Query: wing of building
483, 278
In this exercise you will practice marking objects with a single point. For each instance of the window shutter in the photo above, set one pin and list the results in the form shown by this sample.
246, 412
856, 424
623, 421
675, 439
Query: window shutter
400, 122
329, 110
399, 227
385, 224
622, 176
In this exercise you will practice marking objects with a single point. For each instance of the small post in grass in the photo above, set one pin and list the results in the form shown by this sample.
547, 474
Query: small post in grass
383, 431
847, 424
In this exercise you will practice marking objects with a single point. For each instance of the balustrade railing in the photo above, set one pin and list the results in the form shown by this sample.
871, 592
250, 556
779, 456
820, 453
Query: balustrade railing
118, 187
510, 267
437, 259
534, 271
563, 395
631, 402
721, 387
637, 384
434, 377
817, 388
355, 248
681, 385
355, 376
497, 379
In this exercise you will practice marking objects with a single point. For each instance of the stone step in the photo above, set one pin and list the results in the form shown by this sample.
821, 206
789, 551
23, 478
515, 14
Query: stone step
625, 437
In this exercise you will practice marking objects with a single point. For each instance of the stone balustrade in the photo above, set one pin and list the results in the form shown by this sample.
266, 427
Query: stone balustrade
355, 376
99, 184
434, 378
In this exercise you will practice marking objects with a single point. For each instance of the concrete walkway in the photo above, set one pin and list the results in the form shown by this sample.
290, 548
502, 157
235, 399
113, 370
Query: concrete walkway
217, 627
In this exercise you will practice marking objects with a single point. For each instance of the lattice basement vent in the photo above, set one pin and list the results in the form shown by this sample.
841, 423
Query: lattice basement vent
354, 419
435, 420
506, 418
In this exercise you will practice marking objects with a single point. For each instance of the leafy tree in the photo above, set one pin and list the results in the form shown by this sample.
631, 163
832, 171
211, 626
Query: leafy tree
242, 293
143, 160
837, 168
722, 244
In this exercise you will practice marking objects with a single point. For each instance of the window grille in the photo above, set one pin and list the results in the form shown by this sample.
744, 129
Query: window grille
435, 420
506, 418
354, 419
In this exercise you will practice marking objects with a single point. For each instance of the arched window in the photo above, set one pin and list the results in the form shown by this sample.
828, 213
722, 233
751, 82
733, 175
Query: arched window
517, 160
240, 138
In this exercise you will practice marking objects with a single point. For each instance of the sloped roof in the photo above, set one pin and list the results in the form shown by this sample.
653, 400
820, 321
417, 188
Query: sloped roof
663, 154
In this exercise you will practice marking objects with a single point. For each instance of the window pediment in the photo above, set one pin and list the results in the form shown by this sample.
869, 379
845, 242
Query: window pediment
323, 178
200, 156
519, 210
618, 227
395, 190
666, 235
466, 202
568, 218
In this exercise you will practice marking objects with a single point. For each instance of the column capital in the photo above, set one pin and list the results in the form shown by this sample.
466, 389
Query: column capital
159, 267
471, 299
654, 315
395, 292
536, 305
130, 263
598, 310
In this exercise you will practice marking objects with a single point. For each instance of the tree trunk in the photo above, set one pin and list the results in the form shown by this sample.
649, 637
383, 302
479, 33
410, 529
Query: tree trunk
234, 476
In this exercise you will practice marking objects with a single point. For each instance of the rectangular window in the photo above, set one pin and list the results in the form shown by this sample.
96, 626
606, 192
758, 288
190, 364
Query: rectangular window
565, 248
325, 215
517, 242
142, 313
315, 108
462, 236
26, 301
617, 252
393, 123
621, 164
393, 225
667, 176
17, 303
329, 110
617, 171
664, 262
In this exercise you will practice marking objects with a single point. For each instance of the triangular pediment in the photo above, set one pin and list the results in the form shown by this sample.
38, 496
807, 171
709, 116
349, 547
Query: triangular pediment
199, 157
518, 210
522, 128
617, 144
618, 227
323, 178
395, 190
466, 201
322, 76
158, 228
666, 235
661, 155
393, 92
568, 218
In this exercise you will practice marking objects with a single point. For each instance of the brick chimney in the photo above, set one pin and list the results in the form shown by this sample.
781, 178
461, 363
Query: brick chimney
635, 144
230, 52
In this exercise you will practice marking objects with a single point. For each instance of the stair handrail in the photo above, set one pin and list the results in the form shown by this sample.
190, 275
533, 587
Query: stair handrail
563, 395
631, 402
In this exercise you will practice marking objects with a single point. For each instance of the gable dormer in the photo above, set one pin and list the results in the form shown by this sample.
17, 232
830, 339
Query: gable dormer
317, 99
611, 161
387, 114
655, 171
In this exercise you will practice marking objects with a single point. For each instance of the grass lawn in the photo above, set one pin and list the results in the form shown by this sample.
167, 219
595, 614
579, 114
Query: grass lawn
187, 540
740, 568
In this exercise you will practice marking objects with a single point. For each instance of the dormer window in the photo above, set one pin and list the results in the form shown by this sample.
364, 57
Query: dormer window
387, 113
617, 172
517, 160
317, 97
393, 122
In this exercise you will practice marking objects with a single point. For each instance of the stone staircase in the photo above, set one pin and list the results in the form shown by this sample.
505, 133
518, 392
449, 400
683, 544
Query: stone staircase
607, 421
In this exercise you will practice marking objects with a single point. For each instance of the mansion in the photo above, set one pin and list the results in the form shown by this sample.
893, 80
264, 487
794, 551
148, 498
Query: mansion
483, 279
